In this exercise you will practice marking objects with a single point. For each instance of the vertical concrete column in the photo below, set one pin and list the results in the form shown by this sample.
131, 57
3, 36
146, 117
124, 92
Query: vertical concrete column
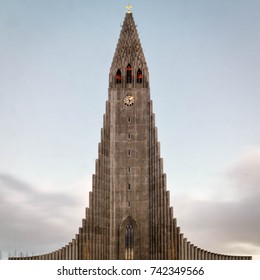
87, 233
73, 249
63, 253
175, 239
77, 247
67, 252
70, 251
195, 252
56, 255
60, 254
198, 254
185, 249
178, 247
192, 252
164, 211
206, 253
168, 227
84, 238
91, 226
188, 251
181, 247
202, 254
171, 237
81, 243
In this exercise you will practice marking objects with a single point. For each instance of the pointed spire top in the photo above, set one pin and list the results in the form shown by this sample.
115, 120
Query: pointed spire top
129, 50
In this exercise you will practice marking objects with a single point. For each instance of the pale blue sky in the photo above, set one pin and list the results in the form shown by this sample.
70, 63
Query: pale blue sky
204, 63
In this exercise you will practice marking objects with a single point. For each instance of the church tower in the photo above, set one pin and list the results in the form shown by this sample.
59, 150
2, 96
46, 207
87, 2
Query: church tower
139, 204
129, 206
129, 214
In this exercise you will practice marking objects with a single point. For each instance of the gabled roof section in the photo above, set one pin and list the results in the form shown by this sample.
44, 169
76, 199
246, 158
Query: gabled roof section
129, 49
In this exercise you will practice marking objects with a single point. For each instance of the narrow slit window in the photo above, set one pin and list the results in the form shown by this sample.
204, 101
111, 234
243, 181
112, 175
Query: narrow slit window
129, 136
129, 187
129, 74
139, 77
129, 153
129, 119
129, 169
118, 77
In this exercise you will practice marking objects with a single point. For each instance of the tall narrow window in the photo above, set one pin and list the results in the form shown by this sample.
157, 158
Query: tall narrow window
129, 136
129, 241
139, 77
129, 187
118, 77
129, 74
129, 119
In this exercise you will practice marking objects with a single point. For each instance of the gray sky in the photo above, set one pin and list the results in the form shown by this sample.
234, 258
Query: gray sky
204, 64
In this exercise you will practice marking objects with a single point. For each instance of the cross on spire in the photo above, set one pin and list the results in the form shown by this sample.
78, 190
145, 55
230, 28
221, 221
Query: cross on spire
129, 8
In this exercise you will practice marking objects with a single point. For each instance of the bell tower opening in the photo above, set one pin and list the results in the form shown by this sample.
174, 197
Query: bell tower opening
139, 77
118, 77
129, 74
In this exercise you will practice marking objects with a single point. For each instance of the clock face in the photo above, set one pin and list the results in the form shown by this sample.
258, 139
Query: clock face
129, 100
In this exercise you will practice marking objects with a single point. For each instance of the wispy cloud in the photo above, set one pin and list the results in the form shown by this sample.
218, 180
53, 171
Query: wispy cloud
36, 220
231, 225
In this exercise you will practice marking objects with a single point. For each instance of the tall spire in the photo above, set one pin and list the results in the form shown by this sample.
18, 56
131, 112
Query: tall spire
129, 51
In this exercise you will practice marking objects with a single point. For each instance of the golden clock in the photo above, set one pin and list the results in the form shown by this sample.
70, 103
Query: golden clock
129, 100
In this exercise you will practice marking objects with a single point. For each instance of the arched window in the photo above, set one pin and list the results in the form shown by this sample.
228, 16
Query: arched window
129, 241
129, 74
139, 77
118, 77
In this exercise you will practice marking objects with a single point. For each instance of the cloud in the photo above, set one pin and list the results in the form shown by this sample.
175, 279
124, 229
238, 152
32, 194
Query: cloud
36, 220
246, 173
231, 225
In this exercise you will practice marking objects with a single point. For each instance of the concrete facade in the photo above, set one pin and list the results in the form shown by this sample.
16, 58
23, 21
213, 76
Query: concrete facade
129, 214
